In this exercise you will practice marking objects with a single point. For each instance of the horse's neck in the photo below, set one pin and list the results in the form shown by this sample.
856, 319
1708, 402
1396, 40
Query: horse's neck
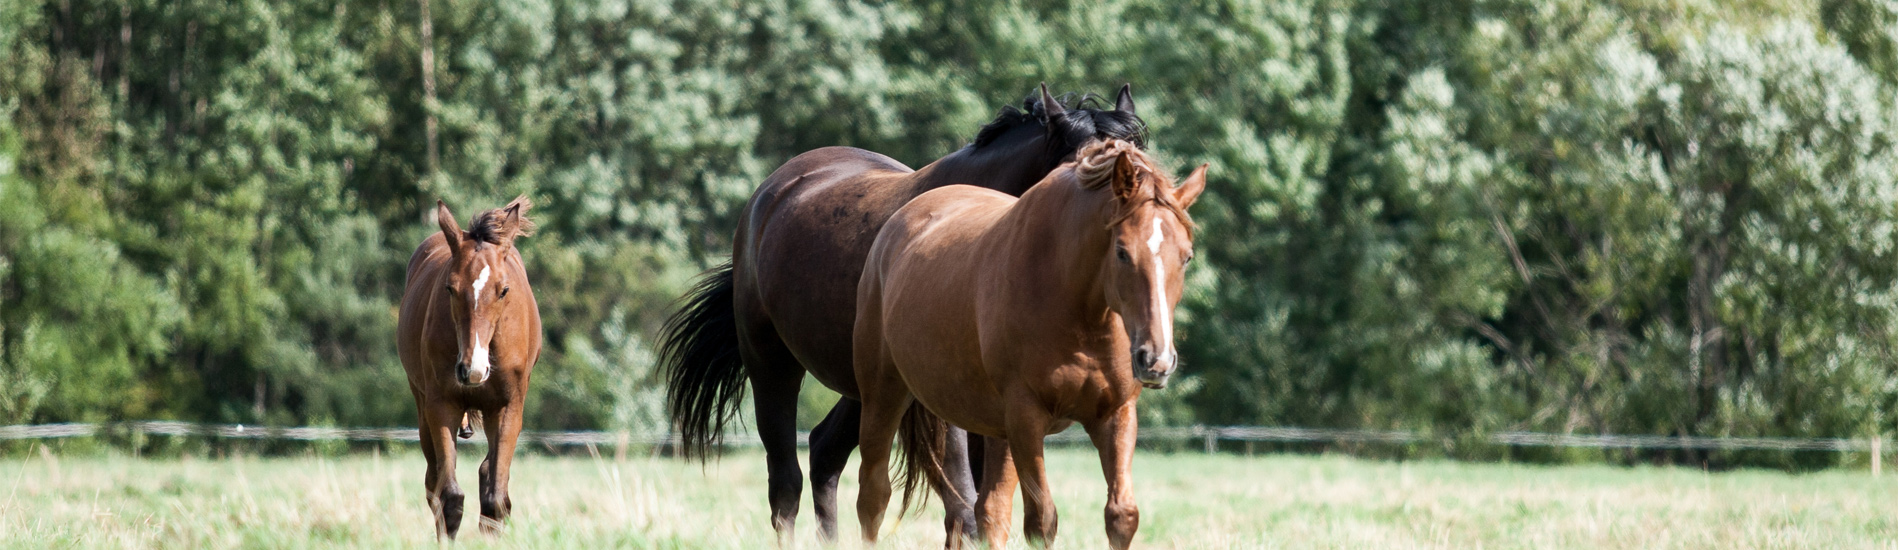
1010, 165
1056, 240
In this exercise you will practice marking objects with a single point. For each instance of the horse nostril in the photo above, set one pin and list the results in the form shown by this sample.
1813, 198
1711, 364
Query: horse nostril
1144, 358
461, 371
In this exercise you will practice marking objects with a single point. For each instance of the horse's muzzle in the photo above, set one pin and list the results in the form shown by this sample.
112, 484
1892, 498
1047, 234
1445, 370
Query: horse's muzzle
469, 377
1152, 369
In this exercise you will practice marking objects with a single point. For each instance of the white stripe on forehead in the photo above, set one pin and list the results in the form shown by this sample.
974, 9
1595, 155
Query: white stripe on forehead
480, 281
1154, 240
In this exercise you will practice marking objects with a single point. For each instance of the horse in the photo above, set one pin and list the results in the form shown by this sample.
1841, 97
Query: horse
469, 333
1014, 318
783, 306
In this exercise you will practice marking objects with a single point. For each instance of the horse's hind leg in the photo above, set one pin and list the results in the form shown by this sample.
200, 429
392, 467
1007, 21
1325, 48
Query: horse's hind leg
469, 420
502, 428
775, 377
831, 444
959, 512
884, 406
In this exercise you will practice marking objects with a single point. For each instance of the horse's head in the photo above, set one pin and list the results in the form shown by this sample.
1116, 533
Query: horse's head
1151, 241
1025, 143
478, 283
1071, 127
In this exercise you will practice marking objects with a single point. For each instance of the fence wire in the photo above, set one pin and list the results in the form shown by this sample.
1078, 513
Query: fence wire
1209, 436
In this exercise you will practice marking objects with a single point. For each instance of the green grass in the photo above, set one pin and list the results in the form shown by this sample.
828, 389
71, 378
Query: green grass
1187, 501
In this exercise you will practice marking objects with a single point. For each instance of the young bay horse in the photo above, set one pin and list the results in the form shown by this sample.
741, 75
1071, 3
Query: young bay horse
1013, 318
469, 334
784, 305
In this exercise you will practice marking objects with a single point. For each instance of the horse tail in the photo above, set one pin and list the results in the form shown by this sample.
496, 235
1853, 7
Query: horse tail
920, 439
699, 352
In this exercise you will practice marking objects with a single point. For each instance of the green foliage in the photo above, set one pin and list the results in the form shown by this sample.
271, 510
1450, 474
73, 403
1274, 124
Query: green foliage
1631, 217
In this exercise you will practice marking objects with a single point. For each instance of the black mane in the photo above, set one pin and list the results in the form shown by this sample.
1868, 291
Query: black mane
1085, 118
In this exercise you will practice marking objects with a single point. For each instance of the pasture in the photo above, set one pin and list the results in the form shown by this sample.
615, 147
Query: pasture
1188, 500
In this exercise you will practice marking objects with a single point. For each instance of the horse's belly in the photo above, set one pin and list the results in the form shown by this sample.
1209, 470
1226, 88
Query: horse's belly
953, 390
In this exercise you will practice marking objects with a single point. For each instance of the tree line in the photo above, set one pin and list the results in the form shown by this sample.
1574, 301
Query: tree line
1631, 216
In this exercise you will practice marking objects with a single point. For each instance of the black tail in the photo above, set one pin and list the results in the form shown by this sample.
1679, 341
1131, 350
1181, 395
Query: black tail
920, 439
699, 351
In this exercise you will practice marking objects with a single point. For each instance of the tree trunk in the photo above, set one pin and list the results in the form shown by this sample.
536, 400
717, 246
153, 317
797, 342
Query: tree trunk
428, 85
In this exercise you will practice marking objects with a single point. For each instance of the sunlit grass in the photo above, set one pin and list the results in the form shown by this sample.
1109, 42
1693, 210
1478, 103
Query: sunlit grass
1187, 501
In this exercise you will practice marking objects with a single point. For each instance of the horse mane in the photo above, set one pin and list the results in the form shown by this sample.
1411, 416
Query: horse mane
1094, 168
488, 224
1085, 117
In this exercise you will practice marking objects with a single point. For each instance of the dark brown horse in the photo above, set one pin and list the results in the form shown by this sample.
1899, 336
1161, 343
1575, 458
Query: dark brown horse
1014, 318
784, 305
469, 334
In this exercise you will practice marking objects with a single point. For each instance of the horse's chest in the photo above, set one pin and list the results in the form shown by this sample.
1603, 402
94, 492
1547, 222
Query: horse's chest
1073, 391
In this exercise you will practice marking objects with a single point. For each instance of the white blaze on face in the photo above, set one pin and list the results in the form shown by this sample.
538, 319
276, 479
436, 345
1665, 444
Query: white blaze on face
1164, 356
478, 359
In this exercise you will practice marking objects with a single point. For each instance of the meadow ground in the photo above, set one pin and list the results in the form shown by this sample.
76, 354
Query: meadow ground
1187, 501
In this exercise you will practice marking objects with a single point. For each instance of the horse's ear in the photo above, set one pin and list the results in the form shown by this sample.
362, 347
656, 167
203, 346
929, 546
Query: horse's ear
1125, 101
1191, 187
1125, 181
514, 220
446, 220
1050, 107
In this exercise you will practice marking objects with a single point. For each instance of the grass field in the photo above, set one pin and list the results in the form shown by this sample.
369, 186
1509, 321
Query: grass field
1187, 501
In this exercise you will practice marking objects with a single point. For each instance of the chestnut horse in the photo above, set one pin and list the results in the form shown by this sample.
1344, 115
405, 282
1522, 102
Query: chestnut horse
1013, 318
469, 334
784, 305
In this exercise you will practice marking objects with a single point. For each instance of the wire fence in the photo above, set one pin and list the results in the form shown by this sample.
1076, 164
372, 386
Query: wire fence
1209, 436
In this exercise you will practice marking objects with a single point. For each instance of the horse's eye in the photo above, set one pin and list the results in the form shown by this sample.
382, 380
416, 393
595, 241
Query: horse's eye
1189, 260
448, 288
1122, 254
504, 292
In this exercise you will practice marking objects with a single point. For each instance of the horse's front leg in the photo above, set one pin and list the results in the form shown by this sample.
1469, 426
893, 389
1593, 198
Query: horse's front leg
1114, 439
503, 428
995, 503
1027, 424
438, 442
